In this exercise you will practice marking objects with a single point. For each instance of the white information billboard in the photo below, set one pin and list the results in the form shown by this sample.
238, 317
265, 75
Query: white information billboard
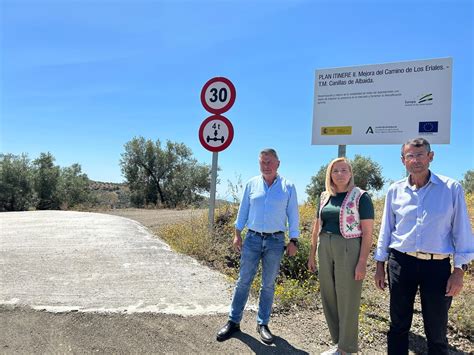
383, 103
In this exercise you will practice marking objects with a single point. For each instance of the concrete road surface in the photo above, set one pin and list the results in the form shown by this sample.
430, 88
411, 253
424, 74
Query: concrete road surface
64, 261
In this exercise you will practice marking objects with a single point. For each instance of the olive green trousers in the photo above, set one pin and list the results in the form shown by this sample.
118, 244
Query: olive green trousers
340, 292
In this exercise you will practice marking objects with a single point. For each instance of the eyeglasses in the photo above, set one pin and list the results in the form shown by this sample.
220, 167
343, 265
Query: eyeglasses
411, 156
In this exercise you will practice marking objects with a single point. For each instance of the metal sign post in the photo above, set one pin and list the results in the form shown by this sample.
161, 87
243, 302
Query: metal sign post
212, 202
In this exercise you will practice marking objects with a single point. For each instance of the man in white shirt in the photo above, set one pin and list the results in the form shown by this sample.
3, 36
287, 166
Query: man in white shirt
425, 220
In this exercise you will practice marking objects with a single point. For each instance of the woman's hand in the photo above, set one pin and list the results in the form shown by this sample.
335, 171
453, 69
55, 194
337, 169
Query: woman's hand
360, 270
312, 266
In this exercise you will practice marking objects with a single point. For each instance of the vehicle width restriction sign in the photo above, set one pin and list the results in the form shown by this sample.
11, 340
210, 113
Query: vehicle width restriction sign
218, 95
216, 133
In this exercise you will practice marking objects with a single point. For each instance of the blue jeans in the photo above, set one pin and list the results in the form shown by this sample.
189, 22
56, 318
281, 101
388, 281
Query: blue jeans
269, 249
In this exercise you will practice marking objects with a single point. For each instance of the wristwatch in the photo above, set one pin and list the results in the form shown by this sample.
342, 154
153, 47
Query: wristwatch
294, 241
464, 267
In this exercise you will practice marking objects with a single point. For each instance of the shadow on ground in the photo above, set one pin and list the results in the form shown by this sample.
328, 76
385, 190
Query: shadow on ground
418, 345
279, 346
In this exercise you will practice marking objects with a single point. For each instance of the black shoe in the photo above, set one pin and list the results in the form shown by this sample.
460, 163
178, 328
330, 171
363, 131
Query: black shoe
265, 333
227, 330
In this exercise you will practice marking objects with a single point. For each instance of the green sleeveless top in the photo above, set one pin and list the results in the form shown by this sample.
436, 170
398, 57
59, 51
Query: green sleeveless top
330, 212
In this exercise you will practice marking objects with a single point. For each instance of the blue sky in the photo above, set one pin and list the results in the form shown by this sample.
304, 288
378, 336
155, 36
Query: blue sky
81, 78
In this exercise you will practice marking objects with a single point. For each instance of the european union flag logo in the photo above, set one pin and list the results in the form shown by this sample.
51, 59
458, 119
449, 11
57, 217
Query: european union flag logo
428, 127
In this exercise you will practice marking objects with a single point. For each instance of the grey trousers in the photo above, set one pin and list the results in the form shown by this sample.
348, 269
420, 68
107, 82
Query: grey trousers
340, 292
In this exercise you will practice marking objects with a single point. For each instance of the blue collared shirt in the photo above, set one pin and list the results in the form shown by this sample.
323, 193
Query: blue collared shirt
267, 208
432, 219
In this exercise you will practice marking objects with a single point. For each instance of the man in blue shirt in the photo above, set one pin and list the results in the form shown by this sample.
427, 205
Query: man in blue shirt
425, 222
268, 202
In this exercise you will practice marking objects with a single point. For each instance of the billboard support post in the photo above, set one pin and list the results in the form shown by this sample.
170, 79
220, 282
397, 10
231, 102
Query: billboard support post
341, 151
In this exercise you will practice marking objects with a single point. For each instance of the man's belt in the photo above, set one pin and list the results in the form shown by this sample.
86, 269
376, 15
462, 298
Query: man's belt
427, 256
263, 234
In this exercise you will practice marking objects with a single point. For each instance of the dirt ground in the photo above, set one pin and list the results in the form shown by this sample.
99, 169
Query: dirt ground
153, 219
26, 331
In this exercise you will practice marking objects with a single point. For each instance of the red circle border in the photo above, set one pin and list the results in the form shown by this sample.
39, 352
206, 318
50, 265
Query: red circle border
227, 142
233, 94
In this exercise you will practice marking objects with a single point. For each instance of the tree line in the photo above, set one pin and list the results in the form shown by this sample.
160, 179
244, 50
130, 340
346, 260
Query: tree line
40, 184
156, 174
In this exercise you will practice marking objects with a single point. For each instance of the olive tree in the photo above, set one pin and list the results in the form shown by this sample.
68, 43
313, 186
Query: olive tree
468, 181
73, 186
166, 175
46, 179
16, 186
40, 184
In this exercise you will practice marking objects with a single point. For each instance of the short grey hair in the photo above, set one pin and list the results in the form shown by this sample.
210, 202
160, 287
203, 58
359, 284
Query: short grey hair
417, 142
269, 151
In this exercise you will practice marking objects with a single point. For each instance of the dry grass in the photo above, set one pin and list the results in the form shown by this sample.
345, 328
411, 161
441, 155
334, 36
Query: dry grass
189, 238
193, 238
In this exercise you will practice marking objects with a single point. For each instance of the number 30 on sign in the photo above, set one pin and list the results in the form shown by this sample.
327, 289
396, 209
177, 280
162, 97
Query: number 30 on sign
218, 95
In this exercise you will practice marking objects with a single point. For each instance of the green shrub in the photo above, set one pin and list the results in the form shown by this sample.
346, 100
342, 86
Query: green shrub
292, 293
295, 267
461, 314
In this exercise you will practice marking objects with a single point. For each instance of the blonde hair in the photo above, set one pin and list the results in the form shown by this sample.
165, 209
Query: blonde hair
330, 188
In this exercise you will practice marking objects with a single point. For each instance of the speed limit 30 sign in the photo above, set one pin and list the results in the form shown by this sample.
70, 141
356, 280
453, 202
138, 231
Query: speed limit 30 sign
218, 95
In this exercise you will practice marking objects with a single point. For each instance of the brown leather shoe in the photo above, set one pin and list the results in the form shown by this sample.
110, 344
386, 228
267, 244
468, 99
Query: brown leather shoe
265, 333
227, 330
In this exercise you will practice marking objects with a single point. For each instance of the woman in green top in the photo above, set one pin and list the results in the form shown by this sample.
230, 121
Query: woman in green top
343, 226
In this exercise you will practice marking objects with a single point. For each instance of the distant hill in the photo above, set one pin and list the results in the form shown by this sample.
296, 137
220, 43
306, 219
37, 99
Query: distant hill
117, 195
110, 194
107, 186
